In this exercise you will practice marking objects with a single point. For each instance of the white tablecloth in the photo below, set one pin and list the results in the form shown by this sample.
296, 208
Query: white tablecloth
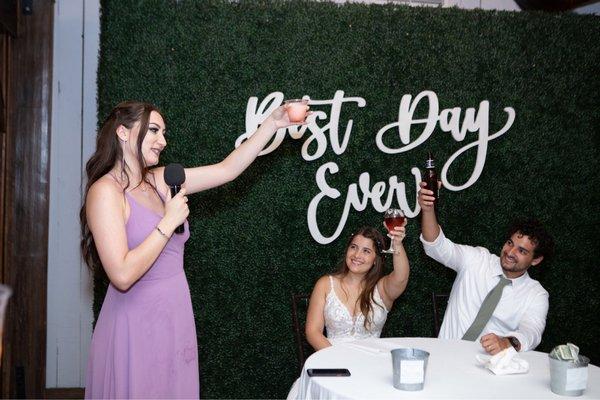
452, 373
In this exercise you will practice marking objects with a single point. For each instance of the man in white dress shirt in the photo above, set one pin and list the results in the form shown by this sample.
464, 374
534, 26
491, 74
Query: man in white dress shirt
519, 318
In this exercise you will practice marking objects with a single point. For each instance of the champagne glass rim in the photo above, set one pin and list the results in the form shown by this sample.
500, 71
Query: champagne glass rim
394, 211
296, 101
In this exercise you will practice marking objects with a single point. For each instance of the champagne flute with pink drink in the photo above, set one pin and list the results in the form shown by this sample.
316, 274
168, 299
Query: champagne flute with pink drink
393, 217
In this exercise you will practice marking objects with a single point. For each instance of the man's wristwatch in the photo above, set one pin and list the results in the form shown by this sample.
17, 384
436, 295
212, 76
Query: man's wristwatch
514, 342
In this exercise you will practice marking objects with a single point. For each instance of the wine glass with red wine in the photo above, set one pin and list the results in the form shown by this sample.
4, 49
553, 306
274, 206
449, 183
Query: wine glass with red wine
393, 217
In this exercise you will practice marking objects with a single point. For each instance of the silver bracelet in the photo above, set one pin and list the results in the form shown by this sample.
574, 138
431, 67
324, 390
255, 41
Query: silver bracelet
161, 232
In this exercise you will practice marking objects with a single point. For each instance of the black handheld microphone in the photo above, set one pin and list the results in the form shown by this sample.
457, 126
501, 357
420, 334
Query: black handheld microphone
174, 178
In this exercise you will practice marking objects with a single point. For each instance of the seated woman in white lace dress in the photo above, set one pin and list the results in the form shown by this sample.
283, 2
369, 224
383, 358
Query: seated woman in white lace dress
353, 303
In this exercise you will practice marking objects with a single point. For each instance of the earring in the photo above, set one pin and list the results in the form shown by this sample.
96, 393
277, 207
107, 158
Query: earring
122, 133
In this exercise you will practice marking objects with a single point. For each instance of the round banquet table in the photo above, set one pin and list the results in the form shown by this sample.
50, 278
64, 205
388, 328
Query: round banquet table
452, 373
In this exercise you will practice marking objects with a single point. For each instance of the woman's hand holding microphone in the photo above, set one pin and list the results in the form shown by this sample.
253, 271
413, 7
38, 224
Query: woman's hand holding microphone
176, 212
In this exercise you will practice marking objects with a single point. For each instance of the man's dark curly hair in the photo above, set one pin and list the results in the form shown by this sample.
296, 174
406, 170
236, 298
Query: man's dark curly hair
539, 236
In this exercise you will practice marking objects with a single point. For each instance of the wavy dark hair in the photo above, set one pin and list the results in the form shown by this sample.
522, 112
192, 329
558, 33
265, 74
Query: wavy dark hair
108, 153
366, 298
538, 235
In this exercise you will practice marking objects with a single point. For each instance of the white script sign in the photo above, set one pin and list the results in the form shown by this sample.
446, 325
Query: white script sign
358, 195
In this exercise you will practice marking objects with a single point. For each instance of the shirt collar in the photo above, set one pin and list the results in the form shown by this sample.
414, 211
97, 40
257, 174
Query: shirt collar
520, 280
497, 270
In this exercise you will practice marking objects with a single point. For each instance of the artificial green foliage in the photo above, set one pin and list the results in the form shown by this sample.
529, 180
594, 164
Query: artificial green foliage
250, 248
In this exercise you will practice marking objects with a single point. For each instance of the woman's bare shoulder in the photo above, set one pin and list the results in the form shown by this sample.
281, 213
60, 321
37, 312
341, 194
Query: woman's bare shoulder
105, 187
323, 283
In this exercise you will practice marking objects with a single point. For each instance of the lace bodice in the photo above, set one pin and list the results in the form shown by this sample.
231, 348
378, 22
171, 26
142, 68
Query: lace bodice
342, 327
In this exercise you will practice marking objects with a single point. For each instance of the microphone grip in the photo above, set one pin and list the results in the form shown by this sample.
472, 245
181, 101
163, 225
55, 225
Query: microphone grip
174, 190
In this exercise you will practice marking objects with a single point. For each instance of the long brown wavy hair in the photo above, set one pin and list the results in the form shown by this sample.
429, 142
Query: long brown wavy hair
108, 153
366, 298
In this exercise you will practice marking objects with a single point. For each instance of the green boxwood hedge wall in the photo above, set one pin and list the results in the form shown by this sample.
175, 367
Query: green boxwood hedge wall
200, 61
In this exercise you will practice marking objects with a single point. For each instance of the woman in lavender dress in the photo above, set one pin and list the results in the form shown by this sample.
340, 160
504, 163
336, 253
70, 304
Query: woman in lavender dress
144, 342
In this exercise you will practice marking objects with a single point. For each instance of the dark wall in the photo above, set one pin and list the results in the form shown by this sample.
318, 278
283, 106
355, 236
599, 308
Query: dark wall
26, 88
251, 247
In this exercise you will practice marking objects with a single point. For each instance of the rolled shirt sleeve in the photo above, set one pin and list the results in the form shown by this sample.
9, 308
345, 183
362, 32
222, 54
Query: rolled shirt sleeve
532, 324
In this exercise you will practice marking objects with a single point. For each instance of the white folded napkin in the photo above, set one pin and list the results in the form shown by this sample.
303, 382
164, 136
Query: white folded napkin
504, 363
372, 346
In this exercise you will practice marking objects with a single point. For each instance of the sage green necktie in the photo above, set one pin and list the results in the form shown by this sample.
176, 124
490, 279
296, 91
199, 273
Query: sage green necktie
486, 310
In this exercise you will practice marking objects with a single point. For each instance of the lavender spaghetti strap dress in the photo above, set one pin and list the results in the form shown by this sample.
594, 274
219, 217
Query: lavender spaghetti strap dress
144, 344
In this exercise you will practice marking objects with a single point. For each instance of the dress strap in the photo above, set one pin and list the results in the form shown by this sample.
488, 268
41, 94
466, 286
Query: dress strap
331, 289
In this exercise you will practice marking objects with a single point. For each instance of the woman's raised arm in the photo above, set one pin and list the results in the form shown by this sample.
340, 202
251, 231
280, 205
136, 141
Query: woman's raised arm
209, 176
394, 284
